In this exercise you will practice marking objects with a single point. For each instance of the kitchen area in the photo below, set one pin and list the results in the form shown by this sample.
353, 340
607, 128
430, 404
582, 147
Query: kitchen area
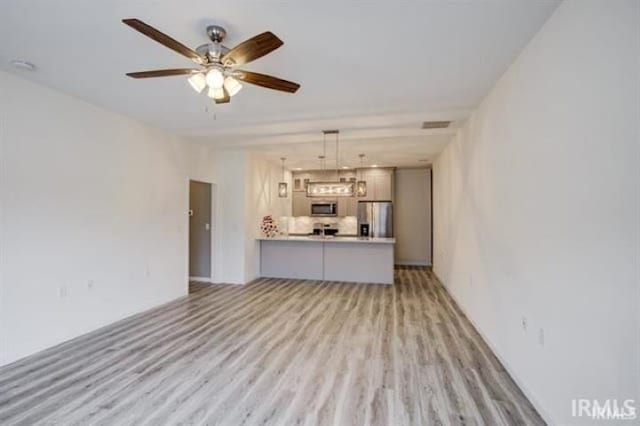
352, 221
341, 228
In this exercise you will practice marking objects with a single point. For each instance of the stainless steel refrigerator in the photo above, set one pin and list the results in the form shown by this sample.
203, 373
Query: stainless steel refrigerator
378, 215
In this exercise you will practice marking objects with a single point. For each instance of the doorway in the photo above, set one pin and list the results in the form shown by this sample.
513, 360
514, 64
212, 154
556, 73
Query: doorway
200, 197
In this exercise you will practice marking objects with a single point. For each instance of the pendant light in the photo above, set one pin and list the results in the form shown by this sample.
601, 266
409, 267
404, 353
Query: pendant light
361, 185
330, 188
282, 186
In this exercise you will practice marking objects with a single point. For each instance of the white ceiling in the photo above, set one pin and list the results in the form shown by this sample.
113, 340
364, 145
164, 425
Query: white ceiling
410, 151
373, 69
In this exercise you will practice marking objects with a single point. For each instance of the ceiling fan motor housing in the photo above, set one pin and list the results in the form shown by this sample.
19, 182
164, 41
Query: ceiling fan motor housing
212, 51
216, 33
215, 50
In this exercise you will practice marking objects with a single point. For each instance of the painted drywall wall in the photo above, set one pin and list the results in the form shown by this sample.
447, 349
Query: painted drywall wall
412, 221
92, 225
536, 211
226, 170
261, 195
246, 190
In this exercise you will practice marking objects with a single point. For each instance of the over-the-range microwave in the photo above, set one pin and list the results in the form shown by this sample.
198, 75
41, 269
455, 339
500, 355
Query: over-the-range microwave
324, 208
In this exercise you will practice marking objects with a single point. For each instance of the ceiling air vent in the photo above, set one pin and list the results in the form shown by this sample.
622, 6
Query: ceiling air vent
435, 124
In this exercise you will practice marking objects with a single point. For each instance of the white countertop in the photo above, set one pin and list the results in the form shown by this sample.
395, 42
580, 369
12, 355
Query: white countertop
315, 239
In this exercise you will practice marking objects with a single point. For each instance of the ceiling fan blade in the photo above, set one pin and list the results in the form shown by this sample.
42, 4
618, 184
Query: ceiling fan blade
252, 49
224, 100
164, 39
266, 81
162, 73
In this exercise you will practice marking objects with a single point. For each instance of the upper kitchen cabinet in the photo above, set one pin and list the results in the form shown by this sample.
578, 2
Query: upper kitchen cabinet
379, 184
301, 204
300, 181
379, 188
347, 176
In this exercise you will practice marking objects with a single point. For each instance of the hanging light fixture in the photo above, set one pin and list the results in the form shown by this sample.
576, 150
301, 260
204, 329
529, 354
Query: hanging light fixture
282, 186
330, 188
361, 185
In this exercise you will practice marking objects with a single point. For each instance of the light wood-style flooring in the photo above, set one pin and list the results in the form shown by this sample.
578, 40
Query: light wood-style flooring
277, 352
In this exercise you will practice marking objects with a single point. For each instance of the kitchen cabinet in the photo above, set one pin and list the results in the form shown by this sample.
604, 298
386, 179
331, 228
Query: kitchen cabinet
379, 184
347, 206
379, 188
301, 204
323, 176
383, 187
300, 180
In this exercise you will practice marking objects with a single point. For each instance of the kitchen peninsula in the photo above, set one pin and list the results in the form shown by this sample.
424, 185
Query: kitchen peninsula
351, 259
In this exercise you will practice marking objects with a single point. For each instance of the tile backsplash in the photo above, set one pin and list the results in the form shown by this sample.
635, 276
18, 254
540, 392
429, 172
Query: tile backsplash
304, 224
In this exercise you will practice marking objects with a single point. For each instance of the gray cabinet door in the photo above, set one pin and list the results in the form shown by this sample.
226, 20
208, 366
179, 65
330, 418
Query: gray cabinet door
342, 206
383, 187
301, 204
379, 184
352, 206
347, 206
300, 180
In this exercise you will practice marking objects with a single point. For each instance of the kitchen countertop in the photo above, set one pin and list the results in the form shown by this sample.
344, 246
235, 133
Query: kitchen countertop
316, 239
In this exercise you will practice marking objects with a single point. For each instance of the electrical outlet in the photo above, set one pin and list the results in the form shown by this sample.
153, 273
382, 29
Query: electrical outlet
524, 323
147, 271
541, 337
90, 285
63, 291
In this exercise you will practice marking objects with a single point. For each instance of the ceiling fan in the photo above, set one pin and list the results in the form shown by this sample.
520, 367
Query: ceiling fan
217, 65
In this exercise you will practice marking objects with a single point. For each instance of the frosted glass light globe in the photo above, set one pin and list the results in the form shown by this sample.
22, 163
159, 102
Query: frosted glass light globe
198, 82
232, 85
215, 79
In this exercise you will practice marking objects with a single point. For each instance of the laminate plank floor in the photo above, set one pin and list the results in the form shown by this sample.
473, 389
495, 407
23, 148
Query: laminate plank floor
276, 352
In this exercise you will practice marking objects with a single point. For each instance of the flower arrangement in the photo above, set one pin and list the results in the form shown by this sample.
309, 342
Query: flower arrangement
268, 227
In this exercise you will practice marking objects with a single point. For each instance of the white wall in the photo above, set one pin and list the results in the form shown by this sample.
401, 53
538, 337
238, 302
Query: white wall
536, 210
262, 178
226, 170
246, 190
86, 195
412, 221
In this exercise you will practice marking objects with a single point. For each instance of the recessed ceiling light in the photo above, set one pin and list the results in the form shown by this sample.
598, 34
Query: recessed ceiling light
22, 65
345, 167
374, 165
298, 168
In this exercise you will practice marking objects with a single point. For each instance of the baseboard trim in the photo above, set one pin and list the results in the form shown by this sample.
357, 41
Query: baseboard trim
412, 263
536, 404
202, 279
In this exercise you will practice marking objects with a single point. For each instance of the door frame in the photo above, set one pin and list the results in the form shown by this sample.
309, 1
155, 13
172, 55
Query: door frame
212, 233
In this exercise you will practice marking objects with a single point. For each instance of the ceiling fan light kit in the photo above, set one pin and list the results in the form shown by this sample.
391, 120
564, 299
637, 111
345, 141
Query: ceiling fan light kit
198, 82
218, 65
215, 79
216, 93
232, 85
